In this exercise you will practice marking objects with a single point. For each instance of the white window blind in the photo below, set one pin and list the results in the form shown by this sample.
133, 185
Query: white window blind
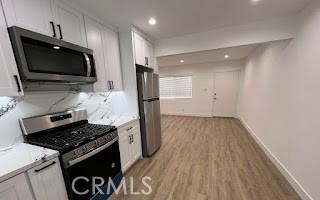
176, 87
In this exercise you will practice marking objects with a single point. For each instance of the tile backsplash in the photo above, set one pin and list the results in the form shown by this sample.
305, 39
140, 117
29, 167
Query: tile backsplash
98, 105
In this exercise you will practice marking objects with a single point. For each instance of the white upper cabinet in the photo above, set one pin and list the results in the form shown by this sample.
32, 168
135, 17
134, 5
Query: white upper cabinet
105, 45
69, 23
34, 15
139, 49
50, 17
149, 54
47, 181
112, 58
10, 84
94, 38
143, 51
16, 188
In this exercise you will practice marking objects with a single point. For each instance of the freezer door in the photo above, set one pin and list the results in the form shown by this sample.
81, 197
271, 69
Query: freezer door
152, 127
147, 85
156, 85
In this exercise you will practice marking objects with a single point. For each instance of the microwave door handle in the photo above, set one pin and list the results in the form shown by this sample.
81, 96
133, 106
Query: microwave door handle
86, 57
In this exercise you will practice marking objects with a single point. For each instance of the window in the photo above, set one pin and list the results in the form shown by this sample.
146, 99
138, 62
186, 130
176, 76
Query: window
178, 87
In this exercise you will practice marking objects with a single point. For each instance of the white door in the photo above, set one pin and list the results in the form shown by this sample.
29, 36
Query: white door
139, 49
112, 57
34, 15
94, 37
9, 76
225, 94
70, 24
16, 188
47, 181
125, 153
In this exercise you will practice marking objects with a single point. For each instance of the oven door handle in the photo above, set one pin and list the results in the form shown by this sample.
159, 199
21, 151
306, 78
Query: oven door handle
92, 153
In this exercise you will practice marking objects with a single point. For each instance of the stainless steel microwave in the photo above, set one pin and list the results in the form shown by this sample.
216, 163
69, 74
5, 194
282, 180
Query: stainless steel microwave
45, 59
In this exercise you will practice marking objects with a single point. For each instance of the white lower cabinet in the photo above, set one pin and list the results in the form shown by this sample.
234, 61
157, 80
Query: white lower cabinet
47, 181
16, 188
130, 145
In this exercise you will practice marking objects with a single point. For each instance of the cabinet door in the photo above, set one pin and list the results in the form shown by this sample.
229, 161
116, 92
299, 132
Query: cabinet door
136, 144
9, 76
16, 188
94, 38
149, 54
34, 15
125, 153
47, 181
139, 49
112, 57
70, 23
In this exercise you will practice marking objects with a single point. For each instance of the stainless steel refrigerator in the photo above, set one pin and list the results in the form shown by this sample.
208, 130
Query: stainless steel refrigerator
149, 110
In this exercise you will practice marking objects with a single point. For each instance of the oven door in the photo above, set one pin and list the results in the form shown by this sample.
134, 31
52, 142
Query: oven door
83, 172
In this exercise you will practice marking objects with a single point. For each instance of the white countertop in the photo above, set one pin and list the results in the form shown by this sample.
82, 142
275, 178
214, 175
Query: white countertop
22, 157
118, 121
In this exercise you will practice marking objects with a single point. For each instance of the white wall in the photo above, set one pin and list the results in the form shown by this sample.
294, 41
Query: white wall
202, 86
280, 101
258, 32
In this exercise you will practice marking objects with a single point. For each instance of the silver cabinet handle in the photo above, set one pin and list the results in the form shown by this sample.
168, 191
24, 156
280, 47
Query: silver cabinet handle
86, 57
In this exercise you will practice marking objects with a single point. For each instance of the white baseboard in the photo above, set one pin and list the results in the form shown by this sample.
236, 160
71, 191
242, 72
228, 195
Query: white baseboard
285, 172
188, 114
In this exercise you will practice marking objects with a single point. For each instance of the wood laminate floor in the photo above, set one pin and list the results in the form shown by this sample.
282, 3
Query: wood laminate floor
207, 158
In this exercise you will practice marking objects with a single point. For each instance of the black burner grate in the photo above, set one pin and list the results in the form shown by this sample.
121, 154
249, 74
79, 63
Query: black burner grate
73, 136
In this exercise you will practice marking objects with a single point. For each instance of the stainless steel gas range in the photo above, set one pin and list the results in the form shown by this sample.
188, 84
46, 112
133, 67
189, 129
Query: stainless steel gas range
88, 152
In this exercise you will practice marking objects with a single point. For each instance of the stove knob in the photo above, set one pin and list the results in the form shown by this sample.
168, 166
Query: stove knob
84, 149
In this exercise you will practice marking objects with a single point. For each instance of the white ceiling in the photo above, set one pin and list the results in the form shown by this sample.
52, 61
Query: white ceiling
235, 53
180, 17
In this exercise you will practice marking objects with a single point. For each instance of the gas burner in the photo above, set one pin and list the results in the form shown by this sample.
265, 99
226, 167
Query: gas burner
73, 136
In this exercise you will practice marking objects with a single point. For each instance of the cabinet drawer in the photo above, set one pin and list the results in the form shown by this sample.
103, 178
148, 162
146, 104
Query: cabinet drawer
123, 131
47, 181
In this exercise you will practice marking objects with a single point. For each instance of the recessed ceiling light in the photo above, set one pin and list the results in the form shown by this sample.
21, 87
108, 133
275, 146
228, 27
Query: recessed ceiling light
226, 56
181, 61
56, 47
255, 1
152, 21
